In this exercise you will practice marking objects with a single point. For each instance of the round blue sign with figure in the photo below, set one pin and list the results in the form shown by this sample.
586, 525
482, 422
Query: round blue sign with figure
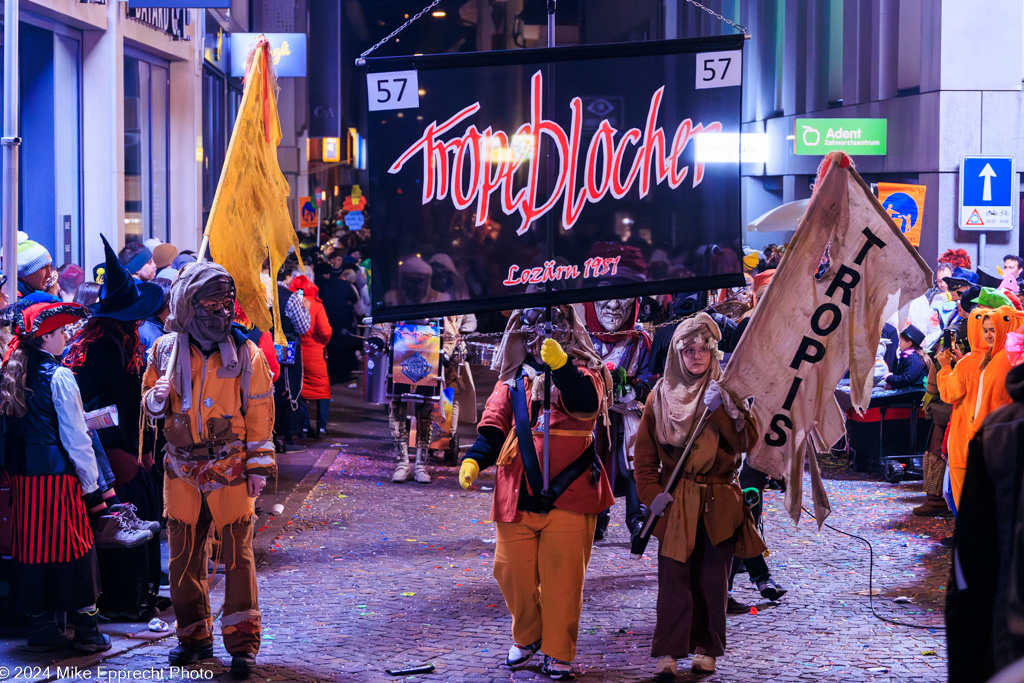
902, 209
354, 220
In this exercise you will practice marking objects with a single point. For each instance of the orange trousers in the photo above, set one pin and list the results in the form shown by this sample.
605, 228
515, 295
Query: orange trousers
189, 516
540, 563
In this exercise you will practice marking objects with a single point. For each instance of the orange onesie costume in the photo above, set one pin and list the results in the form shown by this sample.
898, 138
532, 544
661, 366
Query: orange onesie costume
958, 387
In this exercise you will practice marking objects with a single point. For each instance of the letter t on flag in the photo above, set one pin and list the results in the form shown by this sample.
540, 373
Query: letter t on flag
249, 220
818, 328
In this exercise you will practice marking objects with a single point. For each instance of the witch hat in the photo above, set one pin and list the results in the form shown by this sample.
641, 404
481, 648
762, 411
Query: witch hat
121, 297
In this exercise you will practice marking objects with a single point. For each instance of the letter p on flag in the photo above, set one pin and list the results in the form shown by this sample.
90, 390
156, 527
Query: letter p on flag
873, 270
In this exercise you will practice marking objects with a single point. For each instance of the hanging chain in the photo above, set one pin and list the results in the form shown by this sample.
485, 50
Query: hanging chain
741, 29
362, 58
496, 336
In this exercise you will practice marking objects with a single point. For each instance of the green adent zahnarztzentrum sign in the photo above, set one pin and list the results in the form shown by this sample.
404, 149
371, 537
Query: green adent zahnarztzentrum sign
854, 136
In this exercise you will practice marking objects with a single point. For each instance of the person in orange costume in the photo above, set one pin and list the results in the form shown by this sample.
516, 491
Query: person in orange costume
992, 392
958, 386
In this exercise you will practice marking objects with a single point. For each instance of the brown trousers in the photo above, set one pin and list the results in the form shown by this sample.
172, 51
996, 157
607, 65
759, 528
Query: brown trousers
190, 514
933, 464
692, 599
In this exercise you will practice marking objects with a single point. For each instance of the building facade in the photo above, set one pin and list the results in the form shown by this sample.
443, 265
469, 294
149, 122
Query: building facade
945, 75
106, 148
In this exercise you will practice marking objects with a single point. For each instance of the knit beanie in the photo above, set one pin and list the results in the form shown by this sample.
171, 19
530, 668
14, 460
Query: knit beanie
31, 255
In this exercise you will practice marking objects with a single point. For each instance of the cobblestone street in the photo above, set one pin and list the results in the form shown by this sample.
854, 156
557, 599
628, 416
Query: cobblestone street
368, 574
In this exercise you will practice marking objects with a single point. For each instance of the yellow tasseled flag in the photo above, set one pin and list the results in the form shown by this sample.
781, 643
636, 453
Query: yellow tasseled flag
249, 219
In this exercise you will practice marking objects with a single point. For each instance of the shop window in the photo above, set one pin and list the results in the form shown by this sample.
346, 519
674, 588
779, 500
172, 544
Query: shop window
214, 144
146, 149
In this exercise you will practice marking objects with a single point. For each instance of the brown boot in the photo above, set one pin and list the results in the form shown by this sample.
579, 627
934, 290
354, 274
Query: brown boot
934, 506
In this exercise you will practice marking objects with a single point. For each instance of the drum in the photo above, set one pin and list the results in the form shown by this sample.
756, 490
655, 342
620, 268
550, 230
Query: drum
480, 353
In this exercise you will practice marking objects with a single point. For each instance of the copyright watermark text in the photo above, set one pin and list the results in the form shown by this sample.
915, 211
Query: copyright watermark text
102, 673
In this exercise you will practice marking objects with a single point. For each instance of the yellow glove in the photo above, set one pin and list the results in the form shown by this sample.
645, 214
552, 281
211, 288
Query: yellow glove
468, 472
552, 354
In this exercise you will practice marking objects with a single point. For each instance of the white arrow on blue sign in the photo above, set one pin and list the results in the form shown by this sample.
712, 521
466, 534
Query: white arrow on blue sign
988, 186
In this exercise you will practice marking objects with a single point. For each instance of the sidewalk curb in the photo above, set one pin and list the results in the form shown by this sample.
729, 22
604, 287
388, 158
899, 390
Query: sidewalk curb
118, 647
275, 525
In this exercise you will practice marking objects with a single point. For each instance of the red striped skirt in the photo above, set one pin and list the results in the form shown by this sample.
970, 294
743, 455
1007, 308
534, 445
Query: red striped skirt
50, 519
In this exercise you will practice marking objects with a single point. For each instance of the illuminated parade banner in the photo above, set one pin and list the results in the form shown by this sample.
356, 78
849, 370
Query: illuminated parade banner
565, 169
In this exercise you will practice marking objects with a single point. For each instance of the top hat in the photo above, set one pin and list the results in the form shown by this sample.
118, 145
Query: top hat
912, 333
121, 297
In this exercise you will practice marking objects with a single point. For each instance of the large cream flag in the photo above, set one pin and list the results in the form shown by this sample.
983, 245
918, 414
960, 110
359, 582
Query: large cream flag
807, 331
249, 220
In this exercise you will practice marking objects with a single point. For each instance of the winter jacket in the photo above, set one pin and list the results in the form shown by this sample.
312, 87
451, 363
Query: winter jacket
911, 371
315, 383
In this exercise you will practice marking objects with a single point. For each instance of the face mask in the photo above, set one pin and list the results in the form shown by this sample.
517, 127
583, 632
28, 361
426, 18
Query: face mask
442, 280
415, 287
214, 307
612, 313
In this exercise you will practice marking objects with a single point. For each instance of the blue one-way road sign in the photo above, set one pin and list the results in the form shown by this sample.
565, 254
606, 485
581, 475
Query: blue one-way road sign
987, 190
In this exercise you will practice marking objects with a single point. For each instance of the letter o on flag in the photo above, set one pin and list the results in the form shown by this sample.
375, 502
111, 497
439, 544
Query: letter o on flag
837, 317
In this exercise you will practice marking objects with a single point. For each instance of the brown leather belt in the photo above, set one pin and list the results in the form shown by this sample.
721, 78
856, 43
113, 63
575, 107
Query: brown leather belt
207, 450
705, 479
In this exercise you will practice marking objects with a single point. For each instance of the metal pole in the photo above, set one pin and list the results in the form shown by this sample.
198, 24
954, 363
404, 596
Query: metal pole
982, 243
10, 141
550, 245
551, 22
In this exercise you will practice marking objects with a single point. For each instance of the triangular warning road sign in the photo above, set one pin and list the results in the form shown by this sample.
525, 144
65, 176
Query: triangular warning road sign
975, 219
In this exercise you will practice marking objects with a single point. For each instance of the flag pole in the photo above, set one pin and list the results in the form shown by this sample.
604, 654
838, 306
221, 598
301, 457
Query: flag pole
641, 540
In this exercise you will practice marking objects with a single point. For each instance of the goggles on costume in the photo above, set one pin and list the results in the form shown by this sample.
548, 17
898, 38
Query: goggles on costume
535, 316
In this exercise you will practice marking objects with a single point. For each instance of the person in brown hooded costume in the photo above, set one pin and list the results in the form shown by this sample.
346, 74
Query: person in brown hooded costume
705, 520
218, 410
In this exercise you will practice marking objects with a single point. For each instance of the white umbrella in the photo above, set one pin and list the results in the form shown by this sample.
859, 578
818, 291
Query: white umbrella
780, 218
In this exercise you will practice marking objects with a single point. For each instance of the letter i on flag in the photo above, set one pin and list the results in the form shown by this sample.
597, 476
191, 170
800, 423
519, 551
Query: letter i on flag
249, 220
817, 328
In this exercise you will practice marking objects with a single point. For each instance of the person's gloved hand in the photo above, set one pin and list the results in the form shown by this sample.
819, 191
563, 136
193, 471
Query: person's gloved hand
374, 345
660, 502
713, 397
468, 472
552, 354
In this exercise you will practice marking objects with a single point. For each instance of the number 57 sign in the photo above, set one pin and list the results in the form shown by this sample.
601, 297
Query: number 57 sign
719, 69
393, 90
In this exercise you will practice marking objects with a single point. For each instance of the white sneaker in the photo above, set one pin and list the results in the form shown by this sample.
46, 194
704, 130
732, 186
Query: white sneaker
702, 664
557, 670
419, 468
401, 471
665, 669
520, 655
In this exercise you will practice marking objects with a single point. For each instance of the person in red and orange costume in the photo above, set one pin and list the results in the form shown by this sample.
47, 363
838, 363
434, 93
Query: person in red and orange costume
958, 386
544, 540
316, 386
